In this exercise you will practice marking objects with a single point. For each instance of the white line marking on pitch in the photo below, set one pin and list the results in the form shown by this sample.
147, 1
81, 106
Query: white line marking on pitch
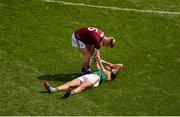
113, 8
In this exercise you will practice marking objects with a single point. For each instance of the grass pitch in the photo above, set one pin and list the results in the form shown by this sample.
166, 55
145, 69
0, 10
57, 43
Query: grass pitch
35, 45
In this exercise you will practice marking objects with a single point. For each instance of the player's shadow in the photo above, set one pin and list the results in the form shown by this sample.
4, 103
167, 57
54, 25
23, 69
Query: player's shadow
58, 77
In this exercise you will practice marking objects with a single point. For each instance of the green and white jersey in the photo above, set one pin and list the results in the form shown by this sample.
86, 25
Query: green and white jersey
102, 75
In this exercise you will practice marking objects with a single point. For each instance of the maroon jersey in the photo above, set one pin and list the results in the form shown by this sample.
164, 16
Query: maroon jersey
90, 36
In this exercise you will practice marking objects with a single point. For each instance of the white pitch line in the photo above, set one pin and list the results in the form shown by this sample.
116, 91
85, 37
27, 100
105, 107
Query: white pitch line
113, 8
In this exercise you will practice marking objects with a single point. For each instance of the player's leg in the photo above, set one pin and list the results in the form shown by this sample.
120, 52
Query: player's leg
64, 87
86, 61
72, 83
84, 85
86, 55
88, 80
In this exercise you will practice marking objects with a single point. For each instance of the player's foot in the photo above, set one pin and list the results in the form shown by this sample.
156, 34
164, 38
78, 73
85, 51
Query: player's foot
83, 72
68, 93
47, 86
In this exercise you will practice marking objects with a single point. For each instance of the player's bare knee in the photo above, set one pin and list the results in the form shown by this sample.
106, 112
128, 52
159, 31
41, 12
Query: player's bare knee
84, 51
88, 55
68, 84
83, 87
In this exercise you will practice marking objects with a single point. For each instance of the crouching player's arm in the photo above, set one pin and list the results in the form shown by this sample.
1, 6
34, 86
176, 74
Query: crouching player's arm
99, 64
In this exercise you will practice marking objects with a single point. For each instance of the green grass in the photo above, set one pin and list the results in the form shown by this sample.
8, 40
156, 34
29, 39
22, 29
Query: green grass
35, 45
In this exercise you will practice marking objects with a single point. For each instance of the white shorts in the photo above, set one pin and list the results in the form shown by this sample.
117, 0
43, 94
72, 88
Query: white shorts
77, 43
93, 78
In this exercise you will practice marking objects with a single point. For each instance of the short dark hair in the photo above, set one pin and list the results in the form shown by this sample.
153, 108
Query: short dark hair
113, 75
112, 42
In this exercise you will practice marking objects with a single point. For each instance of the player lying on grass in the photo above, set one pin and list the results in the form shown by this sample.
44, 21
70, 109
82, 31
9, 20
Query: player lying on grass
93, 79
87, 39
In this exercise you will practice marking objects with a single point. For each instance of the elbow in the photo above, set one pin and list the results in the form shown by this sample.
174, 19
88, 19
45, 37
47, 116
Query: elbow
119, 65
98, 58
